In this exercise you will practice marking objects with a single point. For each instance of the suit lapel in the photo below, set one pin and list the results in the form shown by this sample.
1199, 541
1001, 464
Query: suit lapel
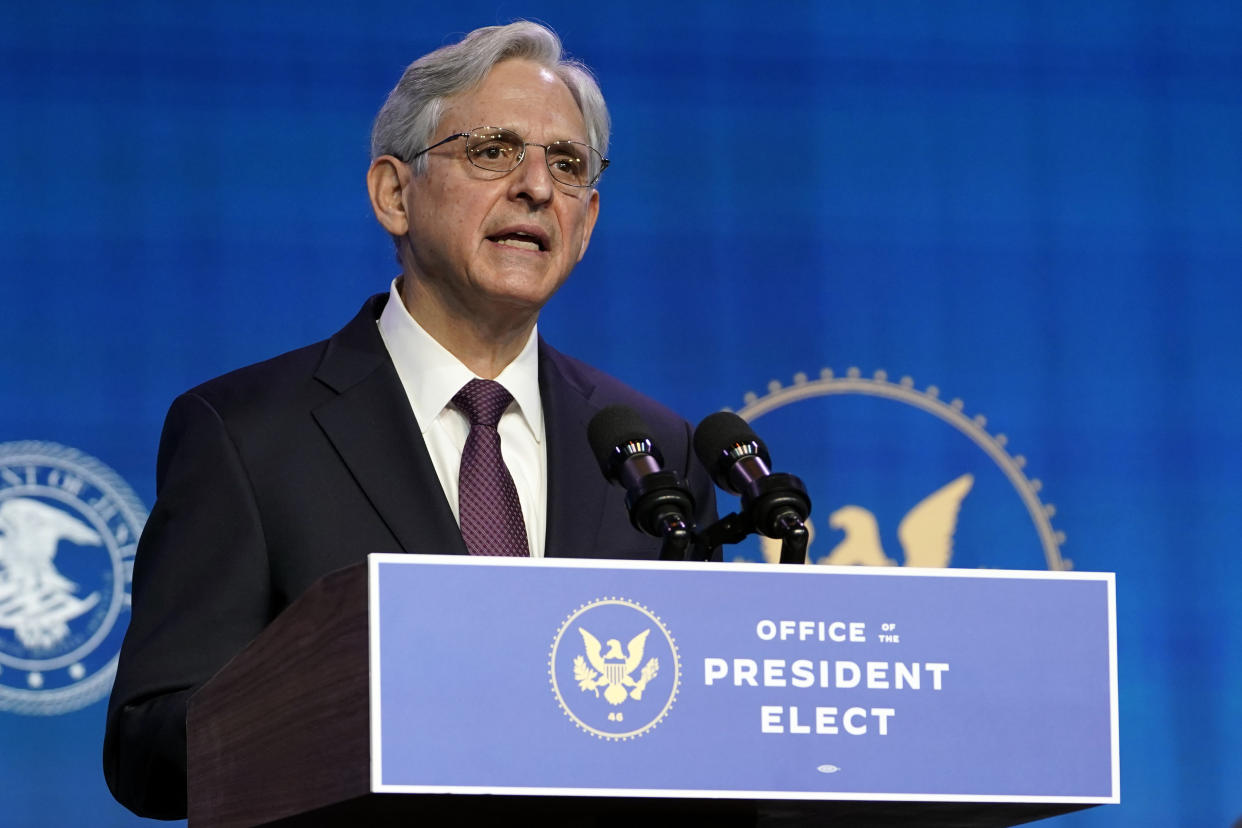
371, 426
577, 491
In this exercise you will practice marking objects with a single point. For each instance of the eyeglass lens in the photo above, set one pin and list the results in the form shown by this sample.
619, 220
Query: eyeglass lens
499, 150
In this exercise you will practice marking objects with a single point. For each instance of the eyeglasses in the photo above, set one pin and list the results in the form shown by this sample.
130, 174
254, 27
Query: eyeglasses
497, 149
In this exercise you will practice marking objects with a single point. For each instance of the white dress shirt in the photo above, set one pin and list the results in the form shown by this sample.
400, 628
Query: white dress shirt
431, 377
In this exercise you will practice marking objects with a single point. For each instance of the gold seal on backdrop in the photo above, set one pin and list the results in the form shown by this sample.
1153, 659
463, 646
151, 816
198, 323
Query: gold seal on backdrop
929, 518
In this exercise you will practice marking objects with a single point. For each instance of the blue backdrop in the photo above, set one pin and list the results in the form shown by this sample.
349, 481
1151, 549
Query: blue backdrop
1027, 215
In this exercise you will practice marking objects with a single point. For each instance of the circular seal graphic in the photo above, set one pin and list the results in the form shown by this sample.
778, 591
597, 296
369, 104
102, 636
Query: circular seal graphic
69, 529
614, 668
948, 500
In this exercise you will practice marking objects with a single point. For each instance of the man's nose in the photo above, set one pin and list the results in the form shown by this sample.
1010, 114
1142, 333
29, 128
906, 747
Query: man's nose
532, 180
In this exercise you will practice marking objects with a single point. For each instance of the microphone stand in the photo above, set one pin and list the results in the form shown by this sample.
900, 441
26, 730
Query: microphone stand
794, 539
734, 528
675, 539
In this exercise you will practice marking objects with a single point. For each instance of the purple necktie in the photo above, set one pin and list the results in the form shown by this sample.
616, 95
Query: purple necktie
488, 505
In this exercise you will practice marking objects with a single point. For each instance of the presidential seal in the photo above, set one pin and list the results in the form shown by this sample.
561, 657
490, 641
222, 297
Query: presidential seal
69, 528
903, 477
614, 669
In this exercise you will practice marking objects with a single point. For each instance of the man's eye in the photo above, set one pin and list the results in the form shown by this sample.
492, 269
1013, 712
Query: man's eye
492, 151
567, 163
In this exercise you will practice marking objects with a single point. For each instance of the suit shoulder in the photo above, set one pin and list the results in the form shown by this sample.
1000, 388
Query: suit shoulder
285, 377
305, 375
603, 389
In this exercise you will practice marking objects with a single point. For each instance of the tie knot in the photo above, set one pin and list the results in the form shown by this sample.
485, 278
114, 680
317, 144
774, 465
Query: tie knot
483, 401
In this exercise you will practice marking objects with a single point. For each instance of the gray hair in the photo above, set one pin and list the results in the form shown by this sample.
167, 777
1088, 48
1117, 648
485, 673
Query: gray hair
408, 119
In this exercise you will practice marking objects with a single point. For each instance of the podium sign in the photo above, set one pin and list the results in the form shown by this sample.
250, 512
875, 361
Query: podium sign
748, 681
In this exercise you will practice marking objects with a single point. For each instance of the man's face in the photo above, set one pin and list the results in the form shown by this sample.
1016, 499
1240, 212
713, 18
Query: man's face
484, 243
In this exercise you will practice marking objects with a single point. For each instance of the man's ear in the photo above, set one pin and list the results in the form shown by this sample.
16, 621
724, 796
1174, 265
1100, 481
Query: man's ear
387, 181
592, 215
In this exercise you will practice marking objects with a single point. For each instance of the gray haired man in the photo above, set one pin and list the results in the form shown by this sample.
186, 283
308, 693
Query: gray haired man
436, 421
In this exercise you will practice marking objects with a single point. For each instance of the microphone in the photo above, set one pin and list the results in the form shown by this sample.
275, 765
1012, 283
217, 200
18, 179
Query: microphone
777, 504
659, 501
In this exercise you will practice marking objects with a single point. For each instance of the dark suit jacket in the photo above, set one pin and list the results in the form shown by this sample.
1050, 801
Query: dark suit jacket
276, 474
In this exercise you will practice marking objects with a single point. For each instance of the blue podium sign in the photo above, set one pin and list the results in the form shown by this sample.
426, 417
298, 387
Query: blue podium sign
753, 681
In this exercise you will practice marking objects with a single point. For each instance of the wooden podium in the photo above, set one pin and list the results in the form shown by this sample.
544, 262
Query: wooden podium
296, 729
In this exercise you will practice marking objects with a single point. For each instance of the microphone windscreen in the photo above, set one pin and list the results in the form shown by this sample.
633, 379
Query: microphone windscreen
614, 426
720, 432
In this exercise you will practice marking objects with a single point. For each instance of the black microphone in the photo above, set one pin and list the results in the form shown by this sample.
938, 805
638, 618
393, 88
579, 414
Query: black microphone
776, 503
658, 500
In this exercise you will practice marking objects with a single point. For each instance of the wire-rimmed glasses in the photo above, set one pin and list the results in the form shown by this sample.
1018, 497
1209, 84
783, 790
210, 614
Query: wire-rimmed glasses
501, 150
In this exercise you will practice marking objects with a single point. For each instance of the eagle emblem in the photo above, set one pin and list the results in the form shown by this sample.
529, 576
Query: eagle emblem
613, 669
926, 532
36, 601
69, 529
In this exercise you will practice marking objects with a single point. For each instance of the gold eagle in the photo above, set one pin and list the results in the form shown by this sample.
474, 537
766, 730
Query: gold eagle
613, 668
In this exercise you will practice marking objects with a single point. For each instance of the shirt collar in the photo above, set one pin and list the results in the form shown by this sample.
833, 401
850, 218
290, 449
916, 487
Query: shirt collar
431, 375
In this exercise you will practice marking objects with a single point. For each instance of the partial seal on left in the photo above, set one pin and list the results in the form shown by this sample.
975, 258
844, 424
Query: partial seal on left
69, 528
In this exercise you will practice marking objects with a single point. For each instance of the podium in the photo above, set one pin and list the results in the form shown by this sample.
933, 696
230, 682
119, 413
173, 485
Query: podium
414, 689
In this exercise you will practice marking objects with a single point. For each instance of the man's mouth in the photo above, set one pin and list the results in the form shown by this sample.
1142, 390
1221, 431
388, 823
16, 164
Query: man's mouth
520, 240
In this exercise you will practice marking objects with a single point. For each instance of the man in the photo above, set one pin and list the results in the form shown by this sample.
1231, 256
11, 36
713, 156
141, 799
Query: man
484, 164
